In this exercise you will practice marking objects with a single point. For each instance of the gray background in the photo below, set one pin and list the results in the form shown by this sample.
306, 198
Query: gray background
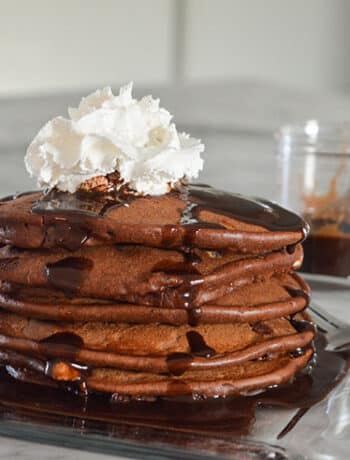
47, 45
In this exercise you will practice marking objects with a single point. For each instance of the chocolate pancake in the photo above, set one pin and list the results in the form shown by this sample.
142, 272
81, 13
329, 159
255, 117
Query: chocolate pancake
174, 363
194, 215
192, 292
136, 274
202, 354
273, 298
147, 340
239, 379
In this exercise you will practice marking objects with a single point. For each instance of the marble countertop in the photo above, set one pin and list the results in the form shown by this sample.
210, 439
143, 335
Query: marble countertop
238, 158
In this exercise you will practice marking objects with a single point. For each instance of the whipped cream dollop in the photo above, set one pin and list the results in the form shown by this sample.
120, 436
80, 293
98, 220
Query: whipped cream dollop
107, 134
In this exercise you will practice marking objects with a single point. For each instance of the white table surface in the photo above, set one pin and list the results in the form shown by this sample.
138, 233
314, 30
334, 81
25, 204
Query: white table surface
234, 161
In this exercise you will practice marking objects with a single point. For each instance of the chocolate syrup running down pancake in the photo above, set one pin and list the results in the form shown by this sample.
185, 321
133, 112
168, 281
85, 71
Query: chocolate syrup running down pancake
198, 346
178, 363
68, 273
67, 341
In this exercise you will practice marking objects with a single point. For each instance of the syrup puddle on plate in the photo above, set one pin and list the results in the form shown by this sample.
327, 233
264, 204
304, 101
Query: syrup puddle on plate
221, 418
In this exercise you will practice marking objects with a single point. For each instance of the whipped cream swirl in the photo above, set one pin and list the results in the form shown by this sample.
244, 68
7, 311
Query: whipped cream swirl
107, 134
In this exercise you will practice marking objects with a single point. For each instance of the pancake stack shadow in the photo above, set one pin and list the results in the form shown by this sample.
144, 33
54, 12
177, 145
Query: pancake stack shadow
190, 293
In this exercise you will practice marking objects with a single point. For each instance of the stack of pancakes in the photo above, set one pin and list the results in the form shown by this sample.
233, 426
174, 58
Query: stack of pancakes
189, 293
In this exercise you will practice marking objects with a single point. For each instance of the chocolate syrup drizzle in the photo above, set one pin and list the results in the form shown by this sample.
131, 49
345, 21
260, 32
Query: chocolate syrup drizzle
66, 343
94, 204
68, 273
178, 363
255, 211
68, 370
66, 216
198, 198
198, 346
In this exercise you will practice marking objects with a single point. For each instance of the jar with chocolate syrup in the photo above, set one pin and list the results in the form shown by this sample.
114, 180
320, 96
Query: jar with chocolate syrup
314, 180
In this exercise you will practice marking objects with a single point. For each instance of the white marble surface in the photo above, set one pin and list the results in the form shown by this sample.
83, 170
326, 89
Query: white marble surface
240, 157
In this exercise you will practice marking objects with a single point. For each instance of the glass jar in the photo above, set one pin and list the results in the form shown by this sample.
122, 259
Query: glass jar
314, 180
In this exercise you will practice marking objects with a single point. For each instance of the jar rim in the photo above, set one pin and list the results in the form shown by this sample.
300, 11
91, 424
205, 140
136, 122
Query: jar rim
316, 136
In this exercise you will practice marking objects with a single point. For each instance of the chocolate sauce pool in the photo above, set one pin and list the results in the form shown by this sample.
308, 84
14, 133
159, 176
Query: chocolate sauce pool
222, 417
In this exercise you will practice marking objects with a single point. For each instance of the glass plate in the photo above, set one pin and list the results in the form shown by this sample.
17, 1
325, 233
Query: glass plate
323, 432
